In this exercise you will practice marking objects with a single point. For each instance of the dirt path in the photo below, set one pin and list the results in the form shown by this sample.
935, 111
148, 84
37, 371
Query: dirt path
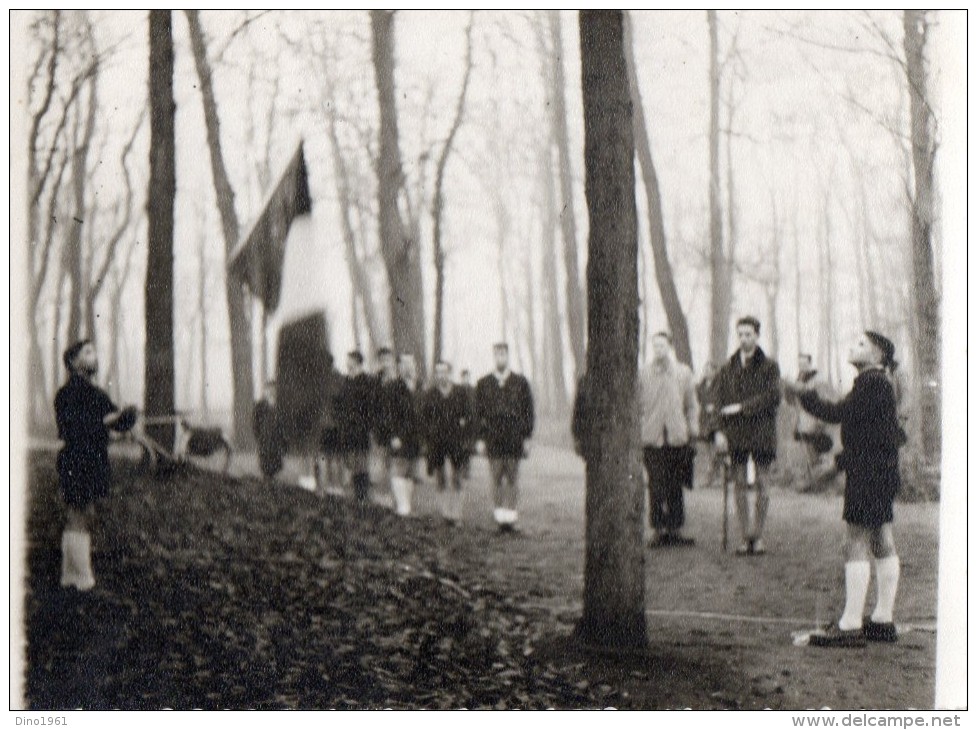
734, 616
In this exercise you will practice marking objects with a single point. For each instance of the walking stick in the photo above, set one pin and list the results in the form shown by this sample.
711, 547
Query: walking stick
724, 472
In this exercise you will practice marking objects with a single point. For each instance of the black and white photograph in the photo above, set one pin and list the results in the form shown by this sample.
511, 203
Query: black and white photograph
488, 360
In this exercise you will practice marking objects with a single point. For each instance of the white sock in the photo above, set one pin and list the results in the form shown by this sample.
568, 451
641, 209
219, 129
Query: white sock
401, 489
887, 581
76, 560
499, 514
858, 573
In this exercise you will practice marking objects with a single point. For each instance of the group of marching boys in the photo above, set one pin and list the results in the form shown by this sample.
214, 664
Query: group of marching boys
390, 416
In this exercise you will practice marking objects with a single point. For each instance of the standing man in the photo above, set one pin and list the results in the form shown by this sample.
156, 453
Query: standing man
447, 419
505, 418
669, 424
870, 439
402, 409
354, 414
747, 398
84, 414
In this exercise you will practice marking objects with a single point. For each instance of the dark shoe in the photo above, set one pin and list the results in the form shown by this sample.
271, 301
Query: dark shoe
678, 538
662, 539
505, 528
884, 631
836, 637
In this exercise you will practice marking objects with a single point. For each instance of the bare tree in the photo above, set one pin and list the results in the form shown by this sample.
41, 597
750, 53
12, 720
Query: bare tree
656, 219
721, 294
554, 376
159, 367
237, 308
575, 318
97, 282
437, 208
926, 295
400, 242
614, 576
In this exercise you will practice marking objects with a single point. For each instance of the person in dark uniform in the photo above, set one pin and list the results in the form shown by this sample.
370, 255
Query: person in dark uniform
870, 439
84, 414
747, 398
354, 414
401, 406
384, 377
504, 417
329, 465
465, 384
447, 420
268, 433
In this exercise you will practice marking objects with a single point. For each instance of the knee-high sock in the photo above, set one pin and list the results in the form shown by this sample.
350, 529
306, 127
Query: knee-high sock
76, 560
887, 581
401, 487
857, 576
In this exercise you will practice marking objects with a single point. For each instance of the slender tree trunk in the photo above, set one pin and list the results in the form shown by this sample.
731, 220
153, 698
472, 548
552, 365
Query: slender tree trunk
552, 336
719, 316
437, 211
401, 250
614, 575
656, 219
529, 308
927, 297
242, 356
357, 271
79, 177
576, 315
159, 371
798, 291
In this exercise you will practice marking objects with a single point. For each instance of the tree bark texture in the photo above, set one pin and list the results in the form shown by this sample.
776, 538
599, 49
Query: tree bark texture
656, 219
242, 356
159, 367
614, 579
927, 298
401, 250
73, 253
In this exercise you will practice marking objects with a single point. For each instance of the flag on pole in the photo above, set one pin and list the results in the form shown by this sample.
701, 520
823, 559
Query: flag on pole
258, 257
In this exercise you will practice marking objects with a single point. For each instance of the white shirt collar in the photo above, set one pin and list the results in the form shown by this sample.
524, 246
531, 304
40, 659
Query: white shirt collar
503, 376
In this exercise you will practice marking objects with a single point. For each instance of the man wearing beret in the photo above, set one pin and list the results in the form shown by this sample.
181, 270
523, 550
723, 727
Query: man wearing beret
870, 439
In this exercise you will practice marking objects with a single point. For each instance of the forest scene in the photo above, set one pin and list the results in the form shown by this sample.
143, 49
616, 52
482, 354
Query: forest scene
200, 188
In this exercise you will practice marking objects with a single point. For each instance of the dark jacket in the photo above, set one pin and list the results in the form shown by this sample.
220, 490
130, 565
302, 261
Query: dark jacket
447, 423
869, 437
402, 409
83, 463
756, 387
705, 392
354, 411
504, 414
379, 420
271, 440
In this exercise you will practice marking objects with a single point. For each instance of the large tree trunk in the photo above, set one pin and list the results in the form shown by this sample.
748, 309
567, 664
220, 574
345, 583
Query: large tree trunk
614, 575
401, 250
721, 296
437, 211
159, 370
927, 298
242, 356
656, 219
568, 220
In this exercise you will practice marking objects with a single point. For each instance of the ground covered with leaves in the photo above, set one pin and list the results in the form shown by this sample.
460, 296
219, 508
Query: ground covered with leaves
220, 592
